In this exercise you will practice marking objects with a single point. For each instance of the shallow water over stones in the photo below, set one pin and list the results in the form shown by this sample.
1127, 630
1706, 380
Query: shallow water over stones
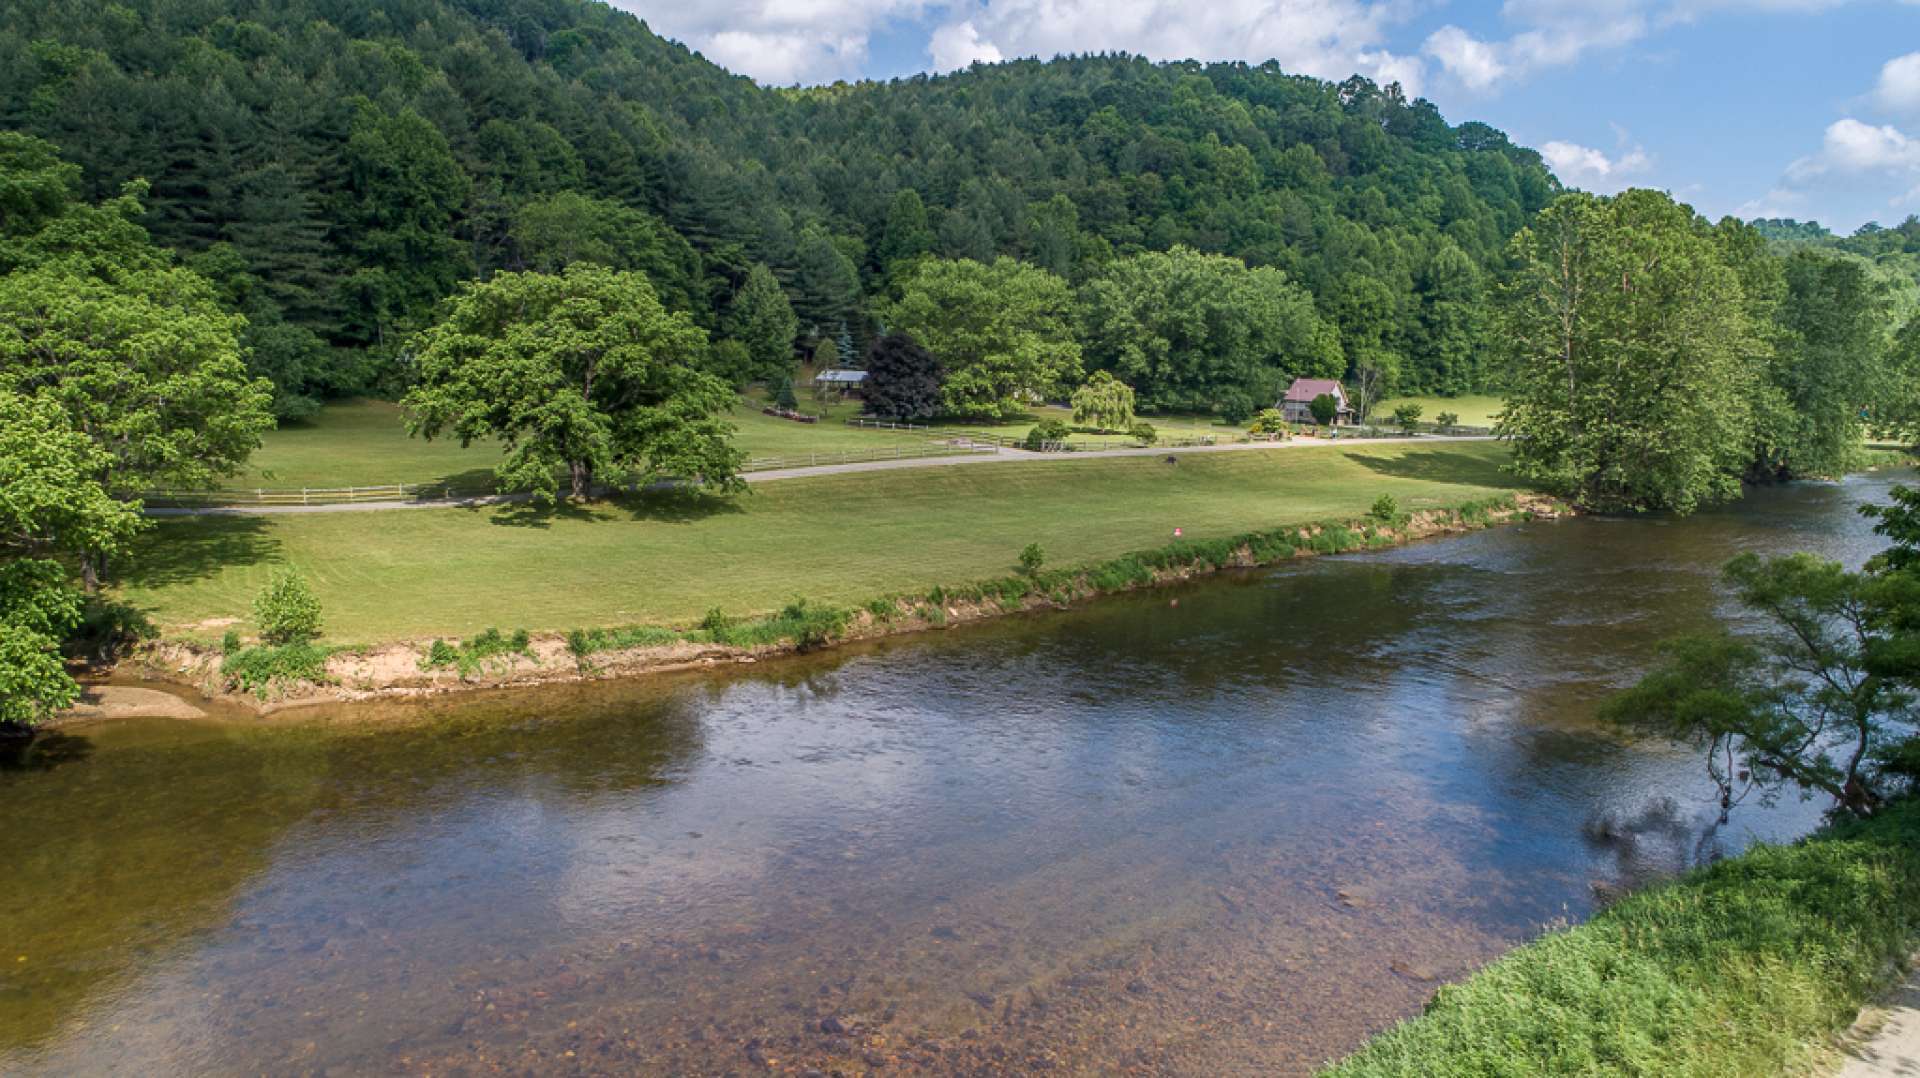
1227, 828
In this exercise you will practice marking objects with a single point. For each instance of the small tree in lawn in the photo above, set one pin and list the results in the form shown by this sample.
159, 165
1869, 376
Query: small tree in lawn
286, 610
583, 372
1032, 558
1407, 416
1324, 408
783, 394
903, 379
1103, 403
1447, 420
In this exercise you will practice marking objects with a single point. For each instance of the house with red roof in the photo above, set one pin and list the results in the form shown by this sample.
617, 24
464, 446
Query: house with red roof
1297, 405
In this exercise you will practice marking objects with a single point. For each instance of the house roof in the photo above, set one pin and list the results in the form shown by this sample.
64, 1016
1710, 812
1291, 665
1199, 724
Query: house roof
1303, 390
848, 377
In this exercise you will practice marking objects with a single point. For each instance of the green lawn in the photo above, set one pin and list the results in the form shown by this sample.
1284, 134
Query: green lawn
365, 443
838, 539
1474, 410
359, 443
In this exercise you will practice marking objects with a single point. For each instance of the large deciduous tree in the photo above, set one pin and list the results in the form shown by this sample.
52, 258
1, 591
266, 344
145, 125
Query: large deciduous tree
137, 352
1186, 330
1829, 368
583, 373
1631, 368
903, 379
1000, 331
52, 510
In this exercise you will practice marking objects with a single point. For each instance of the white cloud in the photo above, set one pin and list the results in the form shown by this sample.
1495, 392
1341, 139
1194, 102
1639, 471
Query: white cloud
1852, 148
1474, 62
1593, 170
1554, 33
957, 45
1899, 87
778, 41
1330, 39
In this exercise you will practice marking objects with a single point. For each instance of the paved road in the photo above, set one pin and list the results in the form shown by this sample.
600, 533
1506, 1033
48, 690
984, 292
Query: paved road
1002, 456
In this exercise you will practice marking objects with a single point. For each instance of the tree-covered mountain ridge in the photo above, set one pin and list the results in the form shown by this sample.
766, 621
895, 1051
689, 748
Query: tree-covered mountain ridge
338, 167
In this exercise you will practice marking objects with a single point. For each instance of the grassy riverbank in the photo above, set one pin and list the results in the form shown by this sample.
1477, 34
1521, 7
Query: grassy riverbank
667, 560
1747, 967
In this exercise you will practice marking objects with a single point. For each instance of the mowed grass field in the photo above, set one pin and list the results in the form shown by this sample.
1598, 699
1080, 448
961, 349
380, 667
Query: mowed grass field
839, 539
1474, 410
365, 443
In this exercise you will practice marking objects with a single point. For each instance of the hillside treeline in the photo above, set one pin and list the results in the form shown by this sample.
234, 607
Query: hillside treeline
339, 167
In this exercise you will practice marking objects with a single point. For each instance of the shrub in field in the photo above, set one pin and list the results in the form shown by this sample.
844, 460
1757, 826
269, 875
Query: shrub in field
1384, 508
716, 621
1269, 421
1407, 416
257, 669
1447, 420
1047, 432
1031, 558
286, 610
1141, 431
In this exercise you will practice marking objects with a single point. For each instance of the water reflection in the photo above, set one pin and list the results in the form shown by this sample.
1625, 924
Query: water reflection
1227, 828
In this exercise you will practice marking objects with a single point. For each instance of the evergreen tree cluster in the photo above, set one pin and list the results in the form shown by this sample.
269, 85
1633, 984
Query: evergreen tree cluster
338, 167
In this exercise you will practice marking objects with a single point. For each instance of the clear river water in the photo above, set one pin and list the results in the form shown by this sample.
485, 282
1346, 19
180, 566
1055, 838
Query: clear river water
1227, 828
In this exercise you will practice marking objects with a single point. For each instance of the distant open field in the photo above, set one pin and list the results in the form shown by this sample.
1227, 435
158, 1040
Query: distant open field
365, 443
1474, 410
667, 559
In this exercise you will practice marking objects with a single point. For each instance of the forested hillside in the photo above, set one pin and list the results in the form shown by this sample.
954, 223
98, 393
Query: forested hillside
337, 167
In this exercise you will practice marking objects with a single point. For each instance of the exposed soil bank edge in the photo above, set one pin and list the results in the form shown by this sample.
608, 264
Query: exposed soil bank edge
395, 670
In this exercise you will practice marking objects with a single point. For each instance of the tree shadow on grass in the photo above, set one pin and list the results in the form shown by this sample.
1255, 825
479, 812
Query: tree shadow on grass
666, 505
181, 550
1439, 466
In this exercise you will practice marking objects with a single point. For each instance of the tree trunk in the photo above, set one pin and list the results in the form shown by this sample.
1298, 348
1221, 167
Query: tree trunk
582, 475
93, 566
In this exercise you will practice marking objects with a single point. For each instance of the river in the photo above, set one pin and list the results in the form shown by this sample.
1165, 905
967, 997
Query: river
1232, 827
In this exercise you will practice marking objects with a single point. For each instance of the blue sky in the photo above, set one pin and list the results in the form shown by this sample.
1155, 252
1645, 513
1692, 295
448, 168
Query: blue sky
1802, 108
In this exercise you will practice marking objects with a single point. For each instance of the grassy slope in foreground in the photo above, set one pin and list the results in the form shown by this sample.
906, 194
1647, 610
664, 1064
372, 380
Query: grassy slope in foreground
839, 539
1743, 968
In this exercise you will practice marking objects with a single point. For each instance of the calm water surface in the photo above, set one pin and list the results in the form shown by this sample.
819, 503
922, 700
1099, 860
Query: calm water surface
1229, 828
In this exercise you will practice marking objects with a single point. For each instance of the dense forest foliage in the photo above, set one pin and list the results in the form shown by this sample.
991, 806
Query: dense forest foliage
338, 167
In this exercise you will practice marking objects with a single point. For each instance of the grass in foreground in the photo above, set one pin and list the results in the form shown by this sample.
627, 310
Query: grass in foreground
1746, 967
840, 540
